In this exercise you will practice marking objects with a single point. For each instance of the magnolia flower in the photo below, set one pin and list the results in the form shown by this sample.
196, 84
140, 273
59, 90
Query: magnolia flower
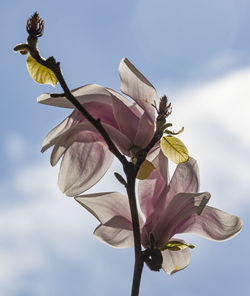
170, 208
131, 125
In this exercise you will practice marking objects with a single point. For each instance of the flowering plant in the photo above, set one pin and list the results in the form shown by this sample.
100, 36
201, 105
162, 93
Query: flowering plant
105, 124
170, 208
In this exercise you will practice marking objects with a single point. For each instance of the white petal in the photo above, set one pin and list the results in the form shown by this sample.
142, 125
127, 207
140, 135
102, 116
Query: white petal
174, 261
134, 84
84, 94
106, 205
178, 211
186, 178
55, 133
83, 165
115, 233
212, 224
145, 131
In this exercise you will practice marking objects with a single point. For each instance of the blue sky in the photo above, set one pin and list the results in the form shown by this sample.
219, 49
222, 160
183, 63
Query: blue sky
196, 52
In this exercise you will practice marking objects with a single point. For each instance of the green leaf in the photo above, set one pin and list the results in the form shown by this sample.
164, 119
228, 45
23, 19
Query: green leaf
40, 73
174, 149
176, 246
145, 170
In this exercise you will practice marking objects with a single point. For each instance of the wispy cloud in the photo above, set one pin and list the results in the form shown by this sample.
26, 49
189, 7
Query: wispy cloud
37, 222
15, 146
216, 120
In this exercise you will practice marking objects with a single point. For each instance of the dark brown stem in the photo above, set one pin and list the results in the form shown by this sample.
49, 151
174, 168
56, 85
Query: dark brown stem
129, 168
131, 173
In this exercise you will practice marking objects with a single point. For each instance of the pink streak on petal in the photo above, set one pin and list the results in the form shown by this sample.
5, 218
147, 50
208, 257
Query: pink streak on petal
97, 110
125, 118
137, 110
161, 163
145, 131
121, 98
68, 136
212, 224
149, 191
71, 136
181, 207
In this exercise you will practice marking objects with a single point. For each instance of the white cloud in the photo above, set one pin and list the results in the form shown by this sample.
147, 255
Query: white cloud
216, 119
15, 146
37, 220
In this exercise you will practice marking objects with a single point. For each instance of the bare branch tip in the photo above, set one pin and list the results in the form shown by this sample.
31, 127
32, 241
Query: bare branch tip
35, 25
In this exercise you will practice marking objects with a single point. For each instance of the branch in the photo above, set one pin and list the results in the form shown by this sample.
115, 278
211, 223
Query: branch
55, 67
131, 173
35, 28
128, 167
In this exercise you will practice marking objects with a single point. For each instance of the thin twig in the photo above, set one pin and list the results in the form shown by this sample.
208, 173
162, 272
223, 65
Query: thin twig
35, 27
129, 167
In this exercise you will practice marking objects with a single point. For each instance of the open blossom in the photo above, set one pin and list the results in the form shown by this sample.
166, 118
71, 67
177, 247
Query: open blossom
170, 208
130, 125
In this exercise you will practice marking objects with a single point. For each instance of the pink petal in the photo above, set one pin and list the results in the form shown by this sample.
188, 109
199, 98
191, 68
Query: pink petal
126, 119
112, 210
84, 94
174, 261
152, 192
55, 133
81, 131
65, 134
186, 178
124, 100
120, 140
160, 162
97, 110
107, 205
213, 224
149, 192
117, 232
132, 120
134, 84
137, 110
145, 131
83, 165
181, 207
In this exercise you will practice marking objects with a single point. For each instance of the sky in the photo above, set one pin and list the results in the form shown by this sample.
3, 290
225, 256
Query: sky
195, 52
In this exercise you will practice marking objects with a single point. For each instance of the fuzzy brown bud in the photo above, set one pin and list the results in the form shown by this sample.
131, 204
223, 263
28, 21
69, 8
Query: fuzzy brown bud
35, 26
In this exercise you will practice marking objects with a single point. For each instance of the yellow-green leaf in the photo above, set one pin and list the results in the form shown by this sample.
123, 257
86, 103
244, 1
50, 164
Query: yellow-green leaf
40, 73
176, 246
174, 149
145, 170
